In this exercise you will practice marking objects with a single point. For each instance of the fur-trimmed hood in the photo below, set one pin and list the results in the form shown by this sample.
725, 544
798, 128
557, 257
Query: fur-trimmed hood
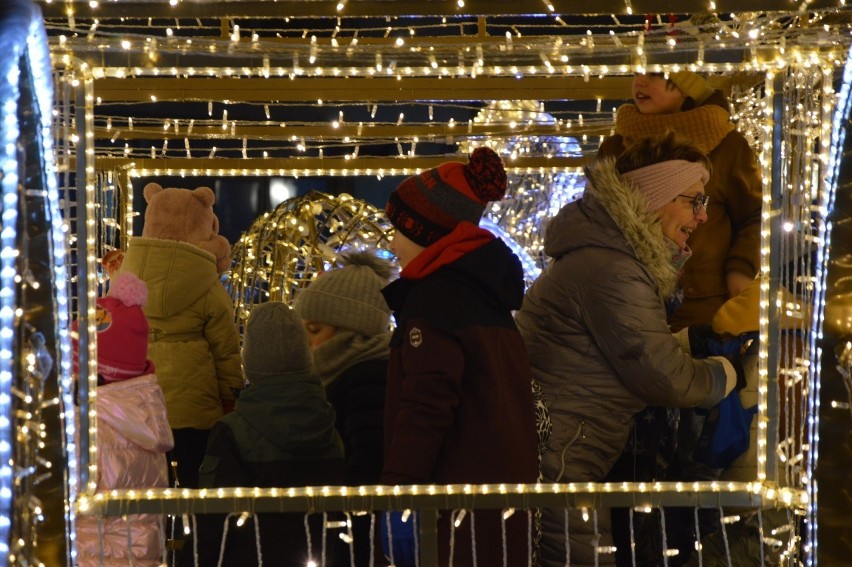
612, 214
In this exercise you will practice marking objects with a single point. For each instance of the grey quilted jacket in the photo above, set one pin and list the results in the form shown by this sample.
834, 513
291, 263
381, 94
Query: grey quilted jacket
594, 324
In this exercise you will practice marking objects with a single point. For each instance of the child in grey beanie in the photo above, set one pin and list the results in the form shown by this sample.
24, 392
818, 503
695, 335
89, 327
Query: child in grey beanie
348, 325
349, 297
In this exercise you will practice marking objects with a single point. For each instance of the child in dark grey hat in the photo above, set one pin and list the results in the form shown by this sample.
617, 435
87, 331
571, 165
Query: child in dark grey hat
280, 434
347, 321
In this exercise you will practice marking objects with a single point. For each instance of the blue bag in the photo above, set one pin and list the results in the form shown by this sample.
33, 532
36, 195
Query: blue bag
401, 538
725, 435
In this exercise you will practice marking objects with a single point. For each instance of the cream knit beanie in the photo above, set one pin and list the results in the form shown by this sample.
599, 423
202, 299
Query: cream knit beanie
349, 297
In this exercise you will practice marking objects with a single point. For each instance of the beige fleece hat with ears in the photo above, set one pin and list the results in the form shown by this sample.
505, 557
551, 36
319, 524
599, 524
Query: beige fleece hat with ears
693, 85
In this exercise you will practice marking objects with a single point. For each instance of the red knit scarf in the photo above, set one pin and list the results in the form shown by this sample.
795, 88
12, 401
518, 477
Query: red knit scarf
464, 239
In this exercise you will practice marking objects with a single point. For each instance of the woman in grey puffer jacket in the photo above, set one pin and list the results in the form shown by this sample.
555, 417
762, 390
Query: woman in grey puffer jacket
595, 327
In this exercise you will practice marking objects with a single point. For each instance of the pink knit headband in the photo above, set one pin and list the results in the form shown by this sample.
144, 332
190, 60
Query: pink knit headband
661, 182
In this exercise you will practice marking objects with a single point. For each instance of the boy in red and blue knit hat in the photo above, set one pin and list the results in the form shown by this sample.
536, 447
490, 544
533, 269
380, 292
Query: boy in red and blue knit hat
459, 405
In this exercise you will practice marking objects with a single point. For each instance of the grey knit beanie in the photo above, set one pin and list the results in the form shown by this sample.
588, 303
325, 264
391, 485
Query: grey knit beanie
349, 297
275, 343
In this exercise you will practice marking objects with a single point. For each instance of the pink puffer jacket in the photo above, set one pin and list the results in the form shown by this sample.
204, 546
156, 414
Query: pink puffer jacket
133, 436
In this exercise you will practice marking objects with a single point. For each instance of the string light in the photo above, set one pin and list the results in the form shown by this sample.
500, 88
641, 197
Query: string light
546, 57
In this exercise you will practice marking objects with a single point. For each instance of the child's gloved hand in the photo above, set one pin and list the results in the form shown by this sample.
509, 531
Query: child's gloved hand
401, 537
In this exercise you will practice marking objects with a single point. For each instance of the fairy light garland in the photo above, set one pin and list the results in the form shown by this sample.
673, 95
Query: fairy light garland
26, 360
58, 249
833, 130
527, 53
767, 44
180, 501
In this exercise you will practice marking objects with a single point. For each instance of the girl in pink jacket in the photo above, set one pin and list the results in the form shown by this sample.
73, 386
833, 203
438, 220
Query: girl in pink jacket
133, 431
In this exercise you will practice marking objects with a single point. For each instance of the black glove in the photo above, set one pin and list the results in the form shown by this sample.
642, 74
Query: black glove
738, 367
704, 342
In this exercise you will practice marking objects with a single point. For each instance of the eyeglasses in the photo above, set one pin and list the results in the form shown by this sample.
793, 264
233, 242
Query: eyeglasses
699, 202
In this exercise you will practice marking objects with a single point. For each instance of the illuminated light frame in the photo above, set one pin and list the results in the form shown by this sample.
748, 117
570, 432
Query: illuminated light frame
327, 498
38, 57
9, 133
797, 56
765, 493
837, 129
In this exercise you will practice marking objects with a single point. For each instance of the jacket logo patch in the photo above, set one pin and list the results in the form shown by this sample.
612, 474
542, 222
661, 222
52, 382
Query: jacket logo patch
415, 337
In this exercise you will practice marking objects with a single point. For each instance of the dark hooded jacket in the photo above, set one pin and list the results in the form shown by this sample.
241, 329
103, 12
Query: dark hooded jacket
280, 434
595, 328
459, 405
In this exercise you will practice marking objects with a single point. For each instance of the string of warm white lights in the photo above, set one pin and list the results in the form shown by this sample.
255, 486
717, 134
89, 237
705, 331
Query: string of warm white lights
342, 29
778, 45
703, 493
338, 29
471, 56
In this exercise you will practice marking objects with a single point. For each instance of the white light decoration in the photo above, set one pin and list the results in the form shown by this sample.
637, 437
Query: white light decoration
26, 89
9, 93
531, 268
837, 130
532, 197
801, 49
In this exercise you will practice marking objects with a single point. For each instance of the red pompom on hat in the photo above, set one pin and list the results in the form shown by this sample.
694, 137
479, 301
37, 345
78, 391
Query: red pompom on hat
122, 330
428, 206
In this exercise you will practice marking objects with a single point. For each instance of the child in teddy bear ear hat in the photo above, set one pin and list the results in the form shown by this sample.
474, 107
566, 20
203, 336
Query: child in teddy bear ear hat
193, 338
133, 432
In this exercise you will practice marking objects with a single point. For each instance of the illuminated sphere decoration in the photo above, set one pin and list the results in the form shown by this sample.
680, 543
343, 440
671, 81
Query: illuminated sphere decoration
284, 249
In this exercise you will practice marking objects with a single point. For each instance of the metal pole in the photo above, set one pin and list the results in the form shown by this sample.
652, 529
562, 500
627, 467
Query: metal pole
80, 180
775, 234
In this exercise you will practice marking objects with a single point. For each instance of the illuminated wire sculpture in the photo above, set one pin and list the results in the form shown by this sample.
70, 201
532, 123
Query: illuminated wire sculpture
285, 248
532, 198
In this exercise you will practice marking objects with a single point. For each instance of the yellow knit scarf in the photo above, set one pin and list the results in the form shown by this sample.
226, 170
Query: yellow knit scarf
705, 126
